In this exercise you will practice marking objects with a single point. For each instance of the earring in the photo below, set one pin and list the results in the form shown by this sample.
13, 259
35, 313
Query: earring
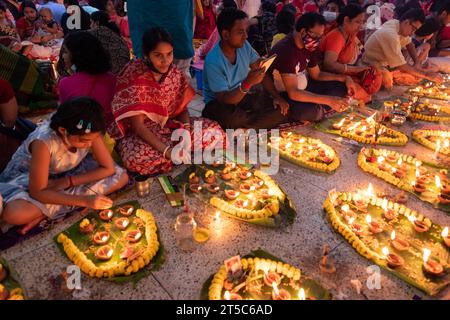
80, 125
88, 128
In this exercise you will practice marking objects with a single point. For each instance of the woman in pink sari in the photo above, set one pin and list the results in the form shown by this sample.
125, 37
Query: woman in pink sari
150, 103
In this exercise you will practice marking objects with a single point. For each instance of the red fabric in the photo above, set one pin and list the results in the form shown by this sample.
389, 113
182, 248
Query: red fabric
25, 28
445, 33
137, 92
205, 27
6, 91
310, 6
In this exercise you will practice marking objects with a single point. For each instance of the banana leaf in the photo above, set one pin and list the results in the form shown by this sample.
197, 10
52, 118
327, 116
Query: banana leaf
11, 281
311, 287
83, 242
370, 244
286, 214
430, 196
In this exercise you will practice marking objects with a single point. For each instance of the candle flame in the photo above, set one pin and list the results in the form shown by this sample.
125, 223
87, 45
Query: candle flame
426, 254
341, 122
446, 143
137, 236
110, 253
345, 208
399, 161
418, 164
217, 216
438, 182
129, 211
351, 220
438, 145
371, 118
393, 235
384, 204
104, 238
353, 126
301, 294
275, 288
288, 145
302, 140
368, 219
300, 152
124, 223
227, 295
380, 159
445, 232
252, 188
369, 191
412, 219
417, 173
245, 203
385, 251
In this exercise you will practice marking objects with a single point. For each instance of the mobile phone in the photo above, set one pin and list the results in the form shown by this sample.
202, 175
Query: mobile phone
266, 63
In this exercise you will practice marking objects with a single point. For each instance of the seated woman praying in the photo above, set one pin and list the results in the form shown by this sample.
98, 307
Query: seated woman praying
53, 172
150, 102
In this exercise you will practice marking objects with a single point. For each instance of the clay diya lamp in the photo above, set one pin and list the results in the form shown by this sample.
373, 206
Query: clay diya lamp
394, 261
101, 237
126, 252
245, 174
210, 177
195, 188
226, 175
424, 179
399, 244
3, 273
126, 211
322, 153
228, 285
257, 182
246, 188
231, 194
104, 253
374, 225
420, 226
86, 227
340, 124
422, 170
361, 204
296, 153
400, 173
216, 163
122, 223
230, 165
383, 166
106, 215
280, 294
265, 194
444, 198
327, 160
419, 187
392, 158
390, 214
445, 189
431, 266
285, 134
213, 188
133, 236
241, 203
194, 179
4, 293
232, 296
357, 228
271, 277
444, 235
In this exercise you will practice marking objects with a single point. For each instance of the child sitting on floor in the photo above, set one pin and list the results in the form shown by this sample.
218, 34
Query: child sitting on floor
53, 171
48, 28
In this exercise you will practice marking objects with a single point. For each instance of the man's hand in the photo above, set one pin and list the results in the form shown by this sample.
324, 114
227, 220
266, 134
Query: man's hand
336, 103
351, 86
435, 77
279, 102
255, 76
257, 64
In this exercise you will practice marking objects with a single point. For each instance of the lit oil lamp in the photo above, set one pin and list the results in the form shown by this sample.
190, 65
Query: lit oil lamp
196, 188
392, 157
438, 148
231, 194
393, 260
382, 165
106, 215
245, 174
271, 277
419, 226
356, 227
232, 165
418, 187
431, 266
213, 188
339, 125
101, 237
104, 253
240, 203
266, 193
217, 163
126, 211
246, 188
210, 177
397, 243
280, 294
122, 223
193, 178
231, 296
126, 252
347, 213
257, 183
361, 130
226, 175
374, 226
446, 237
86, 227
285, 134
389, 214
133, 236
360, 202
301, 294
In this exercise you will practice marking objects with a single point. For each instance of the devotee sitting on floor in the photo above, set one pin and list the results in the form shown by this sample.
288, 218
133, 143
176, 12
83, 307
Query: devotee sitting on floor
8, 33
384, 49
285, 21
263, 28
440, 43
150, 103
53, 171
231, 69
341, 49
296, 56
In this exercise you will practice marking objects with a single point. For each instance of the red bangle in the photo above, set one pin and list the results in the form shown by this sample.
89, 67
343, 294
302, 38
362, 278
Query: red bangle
245, 85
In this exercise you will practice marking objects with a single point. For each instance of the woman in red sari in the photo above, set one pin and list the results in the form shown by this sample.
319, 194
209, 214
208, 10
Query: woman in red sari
150, 103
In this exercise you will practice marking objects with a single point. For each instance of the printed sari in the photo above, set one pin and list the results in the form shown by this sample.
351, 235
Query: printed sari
137, 92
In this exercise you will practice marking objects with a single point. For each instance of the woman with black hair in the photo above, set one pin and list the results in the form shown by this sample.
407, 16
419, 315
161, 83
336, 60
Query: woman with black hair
341, 49
52, 171
85, 20
151, 101
263, 28
285, 21
90, 64
27, 25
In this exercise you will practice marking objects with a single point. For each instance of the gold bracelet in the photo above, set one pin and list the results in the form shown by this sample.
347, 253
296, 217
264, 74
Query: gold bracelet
165, 150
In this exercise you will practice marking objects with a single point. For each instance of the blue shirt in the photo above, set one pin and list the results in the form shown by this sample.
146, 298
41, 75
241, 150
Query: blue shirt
57, 9
220, 75
176, 16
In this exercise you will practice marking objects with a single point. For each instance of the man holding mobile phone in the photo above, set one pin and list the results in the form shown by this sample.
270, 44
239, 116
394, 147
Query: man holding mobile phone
231, 73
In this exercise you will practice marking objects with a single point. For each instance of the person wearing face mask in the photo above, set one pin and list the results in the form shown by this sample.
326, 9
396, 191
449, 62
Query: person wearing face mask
384, 50
331, 12
90, 68
150, 102
53, 170
341, 49
308, 99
